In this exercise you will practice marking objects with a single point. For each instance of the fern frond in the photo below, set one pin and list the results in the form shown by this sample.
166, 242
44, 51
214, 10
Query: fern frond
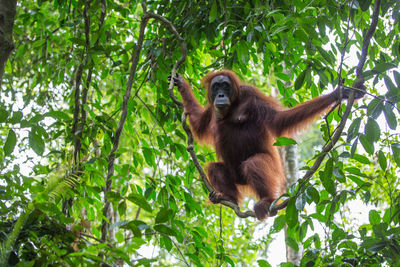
57, 186
69, 181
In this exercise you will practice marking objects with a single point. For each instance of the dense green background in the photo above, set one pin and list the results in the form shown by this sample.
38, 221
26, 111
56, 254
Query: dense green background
291, 49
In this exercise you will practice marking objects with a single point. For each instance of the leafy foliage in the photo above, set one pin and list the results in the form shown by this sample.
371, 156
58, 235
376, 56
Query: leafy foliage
61, 103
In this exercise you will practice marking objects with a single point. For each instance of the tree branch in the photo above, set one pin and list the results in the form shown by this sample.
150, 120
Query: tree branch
7, 15
367, 40
118, 132
328, 147
359, 83
190, 145
78, 106
90, 71
182, 59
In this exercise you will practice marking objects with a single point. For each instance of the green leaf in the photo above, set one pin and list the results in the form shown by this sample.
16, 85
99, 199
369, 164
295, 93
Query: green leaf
213, 12
361, 158
163, 215
140, 201
353, 129
113, 196
374, 217
122, 208
301, 201
390, 116
279, 29
378, 246
249, 36
10, 143
292, 218
36, 142
374, 244
192, 204
313, 194
372, 130
382, 160
387, 216
78, 41
390, 85
325, 55
300, 79
369, 147
229, 260
162, 228
118, 224
58, 115
3, 115
166, 242
364, 4
354, 170
338, 235
279, 223
16, 118
397, 78
283, 76
354, 147
301, 35
292, 243
263, 263
38, 43
383, 67
327, 182
339, 174
396, 153
242, 52
149, 156
329, 168
375, 107
284, 141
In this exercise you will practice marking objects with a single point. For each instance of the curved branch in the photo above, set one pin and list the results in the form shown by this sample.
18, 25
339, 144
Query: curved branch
190, 149
190, 145
318, 161
182, 59
118, 132
328, 147
359, 83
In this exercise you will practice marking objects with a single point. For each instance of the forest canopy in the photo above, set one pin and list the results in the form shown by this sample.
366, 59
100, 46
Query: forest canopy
99, 167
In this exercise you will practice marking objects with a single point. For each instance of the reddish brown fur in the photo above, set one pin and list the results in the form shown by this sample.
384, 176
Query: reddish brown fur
244, 138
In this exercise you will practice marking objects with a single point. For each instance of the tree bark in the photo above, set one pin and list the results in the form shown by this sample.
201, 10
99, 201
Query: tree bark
291, 171
7, 15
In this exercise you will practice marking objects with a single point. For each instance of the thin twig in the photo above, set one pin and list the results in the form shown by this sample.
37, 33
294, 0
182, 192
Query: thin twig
78, 105
176, 245
77, 133
339, 72
392, 103
95, 238
90, 72
78, 79
346, 42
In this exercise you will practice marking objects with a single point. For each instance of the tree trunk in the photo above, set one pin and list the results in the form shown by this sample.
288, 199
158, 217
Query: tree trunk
291, 171
7, 14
